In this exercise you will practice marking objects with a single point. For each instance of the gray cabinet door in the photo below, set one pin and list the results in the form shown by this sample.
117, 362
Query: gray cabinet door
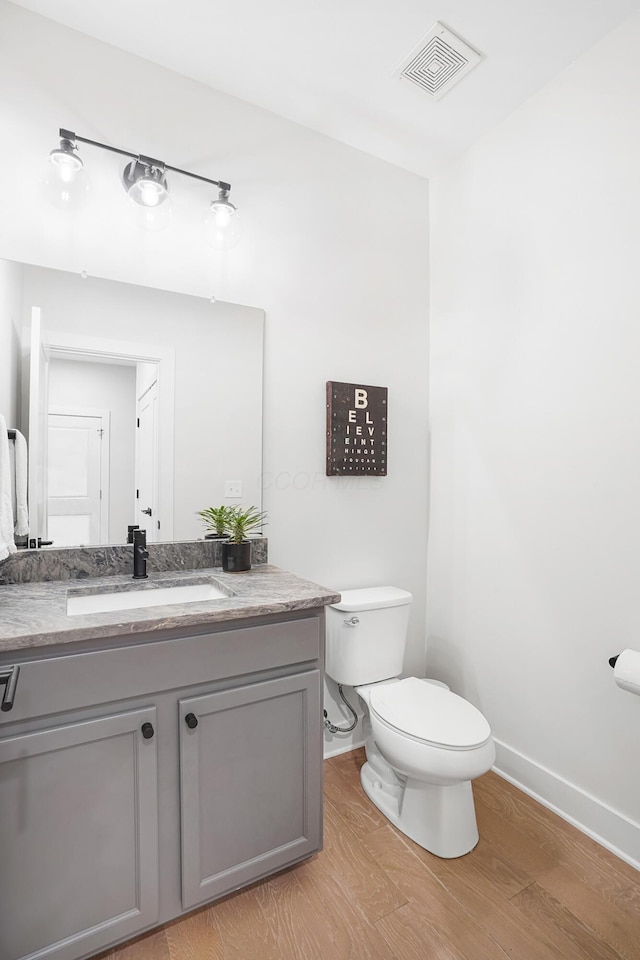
79, 836
251, 792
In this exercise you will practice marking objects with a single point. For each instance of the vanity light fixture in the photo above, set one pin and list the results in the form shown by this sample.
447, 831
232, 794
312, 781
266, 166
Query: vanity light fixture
144, 179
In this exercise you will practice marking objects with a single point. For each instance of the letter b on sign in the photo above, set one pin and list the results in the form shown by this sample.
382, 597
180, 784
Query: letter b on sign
361, 399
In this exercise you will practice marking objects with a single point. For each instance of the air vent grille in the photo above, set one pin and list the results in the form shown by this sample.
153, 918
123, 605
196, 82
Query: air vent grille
440, 60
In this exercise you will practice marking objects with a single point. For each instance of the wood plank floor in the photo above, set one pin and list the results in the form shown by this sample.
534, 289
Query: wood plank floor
534, 888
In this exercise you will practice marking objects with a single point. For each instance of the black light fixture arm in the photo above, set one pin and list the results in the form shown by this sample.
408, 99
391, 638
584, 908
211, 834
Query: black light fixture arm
149, 161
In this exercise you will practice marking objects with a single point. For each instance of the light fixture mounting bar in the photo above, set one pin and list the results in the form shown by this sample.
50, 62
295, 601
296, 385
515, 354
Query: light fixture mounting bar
74, 137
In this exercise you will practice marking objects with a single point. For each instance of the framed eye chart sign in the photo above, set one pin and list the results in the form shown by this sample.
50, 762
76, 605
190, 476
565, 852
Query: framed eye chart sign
356, 430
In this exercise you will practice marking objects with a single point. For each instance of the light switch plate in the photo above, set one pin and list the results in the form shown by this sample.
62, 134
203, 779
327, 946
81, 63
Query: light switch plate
233, 488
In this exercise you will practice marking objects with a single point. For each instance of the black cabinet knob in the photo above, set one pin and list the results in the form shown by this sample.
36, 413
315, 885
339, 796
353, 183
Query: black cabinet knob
147, 730
191, 721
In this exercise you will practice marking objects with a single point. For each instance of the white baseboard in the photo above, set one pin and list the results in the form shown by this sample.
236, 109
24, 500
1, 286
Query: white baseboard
599, 821
333, 750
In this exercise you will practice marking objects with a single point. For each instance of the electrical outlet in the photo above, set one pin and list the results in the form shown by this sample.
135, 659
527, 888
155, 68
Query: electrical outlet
233, 488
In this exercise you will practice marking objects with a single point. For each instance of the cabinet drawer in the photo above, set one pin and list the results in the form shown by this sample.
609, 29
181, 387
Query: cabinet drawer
74, 681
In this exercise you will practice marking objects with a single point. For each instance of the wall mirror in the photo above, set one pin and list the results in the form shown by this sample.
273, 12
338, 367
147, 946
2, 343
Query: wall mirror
139, 405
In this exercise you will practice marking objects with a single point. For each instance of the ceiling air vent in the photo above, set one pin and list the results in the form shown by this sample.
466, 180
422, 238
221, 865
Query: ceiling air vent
439, 61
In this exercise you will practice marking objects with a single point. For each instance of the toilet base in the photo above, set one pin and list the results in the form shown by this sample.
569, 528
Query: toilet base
442, 819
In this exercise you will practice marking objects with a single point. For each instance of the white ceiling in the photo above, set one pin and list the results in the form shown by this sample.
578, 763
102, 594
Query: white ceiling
330, 64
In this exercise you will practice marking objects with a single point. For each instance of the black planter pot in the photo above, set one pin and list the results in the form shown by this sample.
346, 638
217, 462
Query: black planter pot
236, 557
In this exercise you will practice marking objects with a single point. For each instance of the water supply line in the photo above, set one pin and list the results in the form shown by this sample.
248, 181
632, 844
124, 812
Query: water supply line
331, 727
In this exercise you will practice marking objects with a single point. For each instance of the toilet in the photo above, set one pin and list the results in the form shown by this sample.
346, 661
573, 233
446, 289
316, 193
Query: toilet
424, 744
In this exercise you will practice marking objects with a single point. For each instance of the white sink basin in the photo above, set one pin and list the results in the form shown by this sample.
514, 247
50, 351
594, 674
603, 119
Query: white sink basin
136, 599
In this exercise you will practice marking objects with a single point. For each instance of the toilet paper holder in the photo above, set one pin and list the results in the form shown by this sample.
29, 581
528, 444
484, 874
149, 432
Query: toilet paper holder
626, 670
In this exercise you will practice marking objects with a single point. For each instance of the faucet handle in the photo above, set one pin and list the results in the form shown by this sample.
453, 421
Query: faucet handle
131, 527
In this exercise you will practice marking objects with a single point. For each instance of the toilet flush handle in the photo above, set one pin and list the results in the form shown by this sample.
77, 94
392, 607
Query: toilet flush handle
352, 623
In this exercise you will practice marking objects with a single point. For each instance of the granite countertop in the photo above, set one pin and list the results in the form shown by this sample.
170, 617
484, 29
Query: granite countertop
34, 614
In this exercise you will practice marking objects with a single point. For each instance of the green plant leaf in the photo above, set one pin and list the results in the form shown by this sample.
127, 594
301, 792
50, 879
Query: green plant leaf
215, 518
241, 522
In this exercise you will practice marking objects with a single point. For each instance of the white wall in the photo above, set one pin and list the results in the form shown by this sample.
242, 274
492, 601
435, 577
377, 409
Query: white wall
335, 249
105, 386
534, 559
10, 323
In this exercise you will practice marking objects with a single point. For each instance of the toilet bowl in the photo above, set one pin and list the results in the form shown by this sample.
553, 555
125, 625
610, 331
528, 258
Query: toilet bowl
424, 744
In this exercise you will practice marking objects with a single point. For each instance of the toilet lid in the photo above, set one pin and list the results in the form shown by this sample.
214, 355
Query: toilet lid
372, 598
430, 713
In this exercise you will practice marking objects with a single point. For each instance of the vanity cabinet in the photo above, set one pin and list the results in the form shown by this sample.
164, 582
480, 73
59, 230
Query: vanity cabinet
139, 781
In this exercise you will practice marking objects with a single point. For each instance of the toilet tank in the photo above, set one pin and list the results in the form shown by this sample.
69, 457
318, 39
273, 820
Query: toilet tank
367, 635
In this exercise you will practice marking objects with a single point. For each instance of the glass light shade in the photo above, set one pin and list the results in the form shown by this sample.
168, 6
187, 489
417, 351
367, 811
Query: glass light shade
148, 192
145, 184
65, 182
152, 219
66, 162
147, 189
222, 224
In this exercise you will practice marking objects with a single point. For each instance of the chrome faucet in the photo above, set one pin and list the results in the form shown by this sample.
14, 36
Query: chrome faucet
140, 555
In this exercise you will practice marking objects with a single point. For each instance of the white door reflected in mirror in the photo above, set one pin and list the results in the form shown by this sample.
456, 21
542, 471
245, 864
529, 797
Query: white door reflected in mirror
78, 477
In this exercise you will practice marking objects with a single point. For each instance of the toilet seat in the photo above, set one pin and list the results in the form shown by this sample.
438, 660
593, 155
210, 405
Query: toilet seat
429, 714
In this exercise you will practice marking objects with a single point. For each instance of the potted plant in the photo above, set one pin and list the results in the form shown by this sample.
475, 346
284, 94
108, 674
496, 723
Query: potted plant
215, 521
236, 550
